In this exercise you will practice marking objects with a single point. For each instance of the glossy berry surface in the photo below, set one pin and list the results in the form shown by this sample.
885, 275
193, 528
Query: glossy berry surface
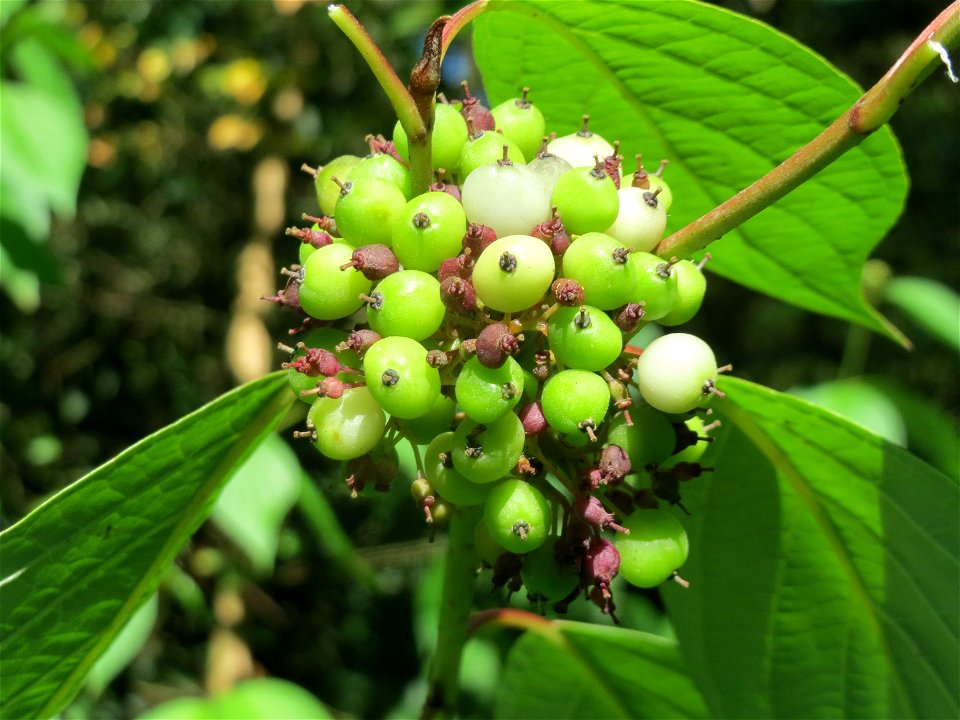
513, 273
406, 303
506, 197
574, 398
517, 516
484, 453
656, 546
522, 122
449, 137
399, 377
691, 288
327, 191
443, 476
584, 337
428, 230
674, 371
349, 426
601, 265
586, 199
485, 393
365, 212
467, 347
327, 292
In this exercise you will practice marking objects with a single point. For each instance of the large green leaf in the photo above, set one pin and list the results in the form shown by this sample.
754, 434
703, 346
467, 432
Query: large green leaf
75, 569
576, 670
823, 569
252, 507
726, 99
43, 143
932, 305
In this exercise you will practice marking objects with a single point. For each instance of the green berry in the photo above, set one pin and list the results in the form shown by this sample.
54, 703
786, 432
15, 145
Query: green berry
452, 486
327, 191
406, 303
517, 516
656, 285
649, 441
399, 377
438, 419
691, 287
545, 576
584, 337
327, 292
485, 393
602, 267
485, 453
676, 372
349, 426
656, 546
575, 401
513, 273
586, 199
522, 122
428, 230
447, 140
366, 210
381, 166
485, 148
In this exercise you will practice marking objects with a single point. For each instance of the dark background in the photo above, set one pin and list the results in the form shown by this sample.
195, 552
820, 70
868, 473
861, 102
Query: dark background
200, 115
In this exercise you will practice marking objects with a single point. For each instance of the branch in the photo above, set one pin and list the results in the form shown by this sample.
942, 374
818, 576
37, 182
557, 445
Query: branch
424, 81
459, 575
867, 115
460, 20
400, 98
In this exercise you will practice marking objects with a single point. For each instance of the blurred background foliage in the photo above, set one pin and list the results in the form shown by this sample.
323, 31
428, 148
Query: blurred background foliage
183, 126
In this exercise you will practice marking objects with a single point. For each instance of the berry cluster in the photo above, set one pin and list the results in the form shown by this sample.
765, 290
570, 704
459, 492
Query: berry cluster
486, 321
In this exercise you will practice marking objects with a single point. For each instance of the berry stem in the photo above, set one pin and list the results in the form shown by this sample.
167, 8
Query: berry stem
868, 114
456, 601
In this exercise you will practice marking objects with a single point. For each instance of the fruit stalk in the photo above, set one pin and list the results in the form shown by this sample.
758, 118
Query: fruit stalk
456, 601
867, 115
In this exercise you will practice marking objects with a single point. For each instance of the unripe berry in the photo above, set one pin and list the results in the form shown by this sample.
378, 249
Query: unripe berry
580, 148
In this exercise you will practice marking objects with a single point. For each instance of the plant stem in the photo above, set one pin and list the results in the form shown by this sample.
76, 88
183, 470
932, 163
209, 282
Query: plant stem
867, 115
424, 81
400, 98
460, 19
456, 601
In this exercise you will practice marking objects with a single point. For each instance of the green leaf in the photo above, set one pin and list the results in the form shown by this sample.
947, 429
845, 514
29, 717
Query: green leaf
577, 670
931, 305
76, 569
725, 99
43, 143
253, 505
8, 8
931, 431
124, 648
861, 403
260, 699
823, 569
